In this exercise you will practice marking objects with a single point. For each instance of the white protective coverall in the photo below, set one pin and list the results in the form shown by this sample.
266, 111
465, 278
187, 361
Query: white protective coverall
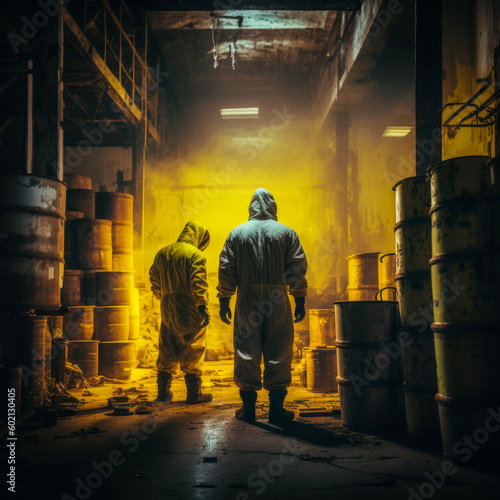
179, 279
262, 258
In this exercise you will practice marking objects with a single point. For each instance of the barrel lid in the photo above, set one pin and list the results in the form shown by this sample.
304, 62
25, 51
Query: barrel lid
421, 177
450, 160
363, 255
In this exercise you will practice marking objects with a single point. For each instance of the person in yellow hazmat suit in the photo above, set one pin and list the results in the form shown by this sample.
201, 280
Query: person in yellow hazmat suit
179, 280
263, 260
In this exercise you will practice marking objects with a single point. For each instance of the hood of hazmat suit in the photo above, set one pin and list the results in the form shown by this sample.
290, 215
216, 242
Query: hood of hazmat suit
179, 279
262, 260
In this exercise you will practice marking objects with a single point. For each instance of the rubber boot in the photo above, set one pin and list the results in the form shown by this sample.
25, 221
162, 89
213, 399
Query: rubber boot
247, 411
276, 411
194, 395
164, 381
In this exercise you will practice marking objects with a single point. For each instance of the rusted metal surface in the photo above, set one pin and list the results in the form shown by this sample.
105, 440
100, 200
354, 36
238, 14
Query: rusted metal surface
94, 244
78, 323
321, 327
85, 354
362, 329
111, 323
78, 182
81, 200
122, 236
23, 346
31, 253
114, 288
362, 271
116, 359
321, 365
72, 292
115, 206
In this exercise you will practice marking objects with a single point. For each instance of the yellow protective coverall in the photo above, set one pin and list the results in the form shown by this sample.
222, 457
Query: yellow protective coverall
262, 258
179, 279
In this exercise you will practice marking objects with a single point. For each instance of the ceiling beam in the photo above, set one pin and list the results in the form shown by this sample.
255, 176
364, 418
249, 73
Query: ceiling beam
186, 5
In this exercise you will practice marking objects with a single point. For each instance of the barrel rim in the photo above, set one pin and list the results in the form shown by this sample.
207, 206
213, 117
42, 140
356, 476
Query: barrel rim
80, 189
35, 175
429, 172
443, 328
75, 272
113, 194
364, 254
422, 177
474, 253
97, 222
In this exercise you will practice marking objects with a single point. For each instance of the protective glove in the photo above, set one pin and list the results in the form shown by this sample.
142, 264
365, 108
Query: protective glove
300, 310
225, 311
205, 315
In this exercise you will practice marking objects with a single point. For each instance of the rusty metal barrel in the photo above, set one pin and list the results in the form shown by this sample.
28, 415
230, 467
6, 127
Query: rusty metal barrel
81, 200
114, 288
55, 325
387, 275
122, 236
413, 283
32, 242
23, 346
117, 359
72, 292
467, 341
114, 206
111, 323
321, 327
90, 287
94, 244
59, 357
78, 323
78, 181
367, 378
70, 243
321, 367
362, 269
135, 319
85, 354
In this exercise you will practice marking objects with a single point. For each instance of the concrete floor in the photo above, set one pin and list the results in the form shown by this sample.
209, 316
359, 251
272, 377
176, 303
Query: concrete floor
193, 452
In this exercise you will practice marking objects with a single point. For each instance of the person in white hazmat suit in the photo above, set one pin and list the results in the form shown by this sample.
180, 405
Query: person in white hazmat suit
262, 260
179, 280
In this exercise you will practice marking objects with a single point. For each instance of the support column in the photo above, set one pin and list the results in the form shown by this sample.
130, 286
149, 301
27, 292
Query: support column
48, 100
429, 83
138, 171
340, 173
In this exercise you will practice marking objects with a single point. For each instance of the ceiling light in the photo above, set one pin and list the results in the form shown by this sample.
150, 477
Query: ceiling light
397, 131
239, 113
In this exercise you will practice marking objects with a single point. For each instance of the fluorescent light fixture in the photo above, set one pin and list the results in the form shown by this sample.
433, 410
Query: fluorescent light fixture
397, 131
239, 113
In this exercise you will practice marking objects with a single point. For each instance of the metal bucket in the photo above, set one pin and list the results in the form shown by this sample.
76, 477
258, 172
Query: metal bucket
135, 319
321, 327
122, 234
366, 373
466, 338
78, 323
112, 323
321, 367
32, 248
387, 275
81, 200
117, 359
72, 292
114, 288
23, 346
114, 206
94, 244
85, 354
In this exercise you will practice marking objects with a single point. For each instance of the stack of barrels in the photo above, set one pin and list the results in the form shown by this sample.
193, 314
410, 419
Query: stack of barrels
367, 374
32, 224
413, 283
99, 281
466, 332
